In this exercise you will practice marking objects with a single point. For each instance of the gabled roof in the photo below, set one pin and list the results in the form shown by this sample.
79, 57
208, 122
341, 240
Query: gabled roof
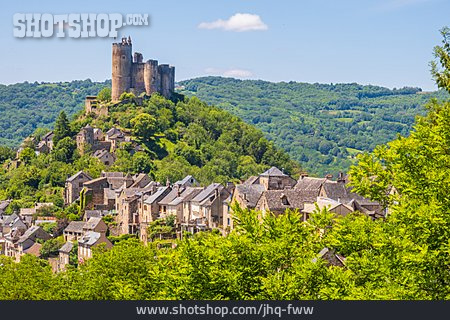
188, 194
186, 180
75, 226
34, 250
280, 200
92, 223
67, 247
250, 193
10, 218
207, 192
310, 184
154, 197
170, 196
273, 172
76, 175
252, 180
30, 232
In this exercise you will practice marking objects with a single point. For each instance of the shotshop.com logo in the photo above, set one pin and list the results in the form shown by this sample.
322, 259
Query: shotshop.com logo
74, 25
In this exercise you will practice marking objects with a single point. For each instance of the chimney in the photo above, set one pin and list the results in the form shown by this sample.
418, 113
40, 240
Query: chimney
304, 175
329, 176
341, 177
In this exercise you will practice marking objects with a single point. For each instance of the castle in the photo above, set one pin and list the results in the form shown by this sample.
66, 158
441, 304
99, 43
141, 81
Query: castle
131, 74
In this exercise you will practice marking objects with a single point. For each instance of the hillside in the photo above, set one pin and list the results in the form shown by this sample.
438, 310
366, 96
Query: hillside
321, 125
27, 106
167, 141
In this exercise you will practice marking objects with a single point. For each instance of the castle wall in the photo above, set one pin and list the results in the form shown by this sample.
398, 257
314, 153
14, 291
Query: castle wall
137, 78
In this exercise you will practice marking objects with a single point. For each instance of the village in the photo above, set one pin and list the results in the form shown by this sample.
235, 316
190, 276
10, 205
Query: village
117, 204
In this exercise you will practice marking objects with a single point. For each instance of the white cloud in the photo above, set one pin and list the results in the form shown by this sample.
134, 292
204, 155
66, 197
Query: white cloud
233, 73
239, 22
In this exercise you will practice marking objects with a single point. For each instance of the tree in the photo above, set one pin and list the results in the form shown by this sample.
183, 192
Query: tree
64, 150
144, 125
104, 95
440, 69
26, 155
62, 128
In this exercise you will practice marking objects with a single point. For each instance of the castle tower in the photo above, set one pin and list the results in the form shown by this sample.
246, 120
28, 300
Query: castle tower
167, 78
137, 75
151, 76
121, 68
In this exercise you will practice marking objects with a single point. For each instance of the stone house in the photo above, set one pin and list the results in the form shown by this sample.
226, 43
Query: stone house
64, 255
207, 206
17, 245
275, 179
47, 139
88, 241
148, 209
74, 231
73, 186
106, 157
94, 193
278, 201
127, 207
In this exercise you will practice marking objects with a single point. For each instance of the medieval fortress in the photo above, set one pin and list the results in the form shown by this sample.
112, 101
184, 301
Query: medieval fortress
131, 74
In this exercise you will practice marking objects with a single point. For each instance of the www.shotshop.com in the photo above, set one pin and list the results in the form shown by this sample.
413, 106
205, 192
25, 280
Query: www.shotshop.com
264, 309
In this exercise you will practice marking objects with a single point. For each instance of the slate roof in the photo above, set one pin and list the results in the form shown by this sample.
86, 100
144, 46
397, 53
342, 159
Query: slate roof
75, 226
73, 177
89, 238
205, 193
92, 223
273, 172
29, 233
154, 197
10, 218
4, 204
188, 194
310, 184
67, 247
252, 180
170, 196
34, 250
250, 193
295, 199
185, 180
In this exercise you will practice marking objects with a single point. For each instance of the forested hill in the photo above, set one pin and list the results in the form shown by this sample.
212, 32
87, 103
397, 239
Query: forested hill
27, 106
321, 125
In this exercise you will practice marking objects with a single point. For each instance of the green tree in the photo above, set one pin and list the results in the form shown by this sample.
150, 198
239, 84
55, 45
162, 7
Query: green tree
62, 128
104, 95
144, 125
440, 68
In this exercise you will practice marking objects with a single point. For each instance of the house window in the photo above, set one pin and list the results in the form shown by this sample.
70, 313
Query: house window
145, 207
228, 221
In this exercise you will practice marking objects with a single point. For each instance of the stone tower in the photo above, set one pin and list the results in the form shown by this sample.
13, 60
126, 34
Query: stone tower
121, 68
133, 75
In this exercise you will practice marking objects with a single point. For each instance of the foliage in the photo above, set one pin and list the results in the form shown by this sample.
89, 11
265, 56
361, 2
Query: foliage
27, 106
62, 128
51, 247
440, 69
323, 126
104, 95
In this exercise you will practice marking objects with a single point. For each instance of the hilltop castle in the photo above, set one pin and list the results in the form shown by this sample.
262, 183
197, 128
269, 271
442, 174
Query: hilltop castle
130, 74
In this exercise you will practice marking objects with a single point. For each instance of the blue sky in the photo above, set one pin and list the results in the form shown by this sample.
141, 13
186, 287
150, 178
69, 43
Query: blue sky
384, 42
